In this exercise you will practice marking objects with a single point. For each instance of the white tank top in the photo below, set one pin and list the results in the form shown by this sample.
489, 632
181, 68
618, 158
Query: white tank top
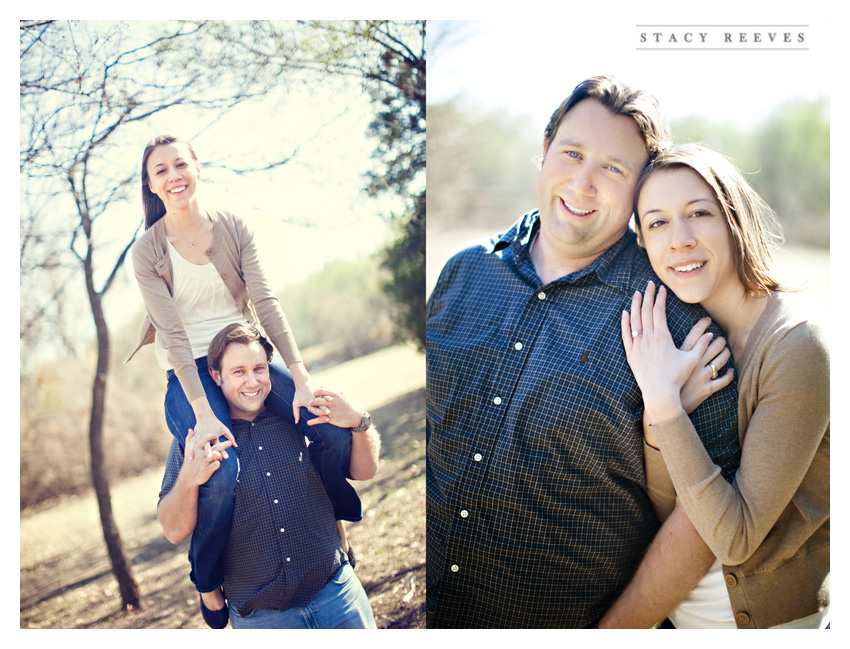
203, 303
708, 607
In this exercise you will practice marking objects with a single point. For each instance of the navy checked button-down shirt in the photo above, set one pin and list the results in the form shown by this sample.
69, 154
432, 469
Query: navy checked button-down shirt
536, 494
284, 544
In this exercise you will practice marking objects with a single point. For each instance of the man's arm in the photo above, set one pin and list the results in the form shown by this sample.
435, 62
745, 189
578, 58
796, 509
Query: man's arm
674, 564
177, 510
342, 412
365, 448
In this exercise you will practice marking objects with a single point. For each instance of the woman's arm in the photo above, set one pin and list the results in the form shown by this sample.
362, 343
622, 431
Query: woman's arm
273, 319
163, 315
782, 437
160, 308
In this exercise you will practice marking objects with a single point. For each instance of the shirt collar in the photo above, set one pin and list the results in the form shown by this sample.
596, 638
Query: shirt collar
612, 267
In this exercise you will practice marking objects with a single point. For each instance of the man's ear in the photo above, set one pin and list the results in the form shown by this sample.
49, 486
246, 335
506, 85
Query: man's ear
216, 376
543, 155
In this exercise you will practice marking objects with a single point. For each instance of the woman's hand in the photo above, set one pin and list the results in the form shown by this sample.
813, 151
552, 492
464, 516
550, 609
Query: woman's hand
197, 472
305, 389
661, 370
208, 429
705, 380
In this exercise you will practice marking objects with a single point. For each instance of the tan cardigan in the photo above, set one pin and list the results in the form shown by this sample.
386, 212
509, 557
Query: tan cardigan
770, 528
234, 256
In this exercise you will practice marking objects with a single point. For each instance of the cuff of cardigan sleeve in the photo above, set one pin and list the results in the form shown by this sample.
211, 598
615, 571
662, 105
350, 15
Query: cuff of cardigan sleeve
684, 454
190, 382
659, 485
286, 346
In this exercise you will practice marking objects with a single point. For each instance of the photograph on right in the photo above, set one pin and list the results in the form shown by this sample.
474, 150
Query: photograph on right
628, 385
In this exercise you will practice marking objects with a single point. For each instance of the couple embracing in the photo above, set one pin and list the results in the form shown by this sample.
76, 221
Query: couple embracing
626, 428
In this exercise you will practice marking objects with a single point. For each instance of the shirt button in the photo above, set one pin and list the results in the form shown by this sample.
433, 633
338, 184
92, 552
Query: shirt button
260, 447
288, 559
518, 346
478, 457
275, 501
281, 530
464, 513
455, 568
268, 474
497, 400
541, 295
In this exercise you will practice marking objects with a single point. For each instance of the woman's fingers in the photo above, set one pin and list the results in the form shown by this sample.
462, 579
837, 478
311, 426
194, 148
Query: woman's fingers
635, 319
717, 345
647, 327
722, 381
626, 331
694, 334
718, 359
659, 312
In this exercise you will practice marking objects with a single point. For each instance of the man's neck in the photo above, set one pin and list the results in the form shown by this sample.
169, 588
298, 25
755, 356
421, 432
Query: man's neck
551, 264
245, 416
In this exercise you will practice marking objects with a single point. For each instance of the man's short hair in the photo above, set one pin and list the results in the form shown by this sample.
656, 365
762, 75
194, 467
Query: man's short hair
620, 99
235, 333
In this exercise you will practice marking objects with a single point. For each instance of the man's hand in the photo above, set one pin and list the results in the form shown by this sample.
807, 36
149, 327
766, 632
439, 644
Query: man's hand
178, 509
343, 412
339, 409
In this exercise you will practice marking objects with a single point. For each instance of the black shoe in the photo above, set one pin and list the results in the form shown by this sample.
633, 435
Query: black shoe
215, 619
351, 559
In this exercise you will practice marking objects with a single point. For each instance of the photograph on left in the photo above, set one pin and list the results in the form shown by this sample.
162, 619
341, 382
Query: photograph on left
222, 368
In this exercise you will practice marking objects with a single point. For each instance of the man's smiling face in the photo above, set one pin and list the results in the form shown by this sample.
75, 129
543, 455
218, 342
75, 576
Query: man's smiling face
585, 186
244, 379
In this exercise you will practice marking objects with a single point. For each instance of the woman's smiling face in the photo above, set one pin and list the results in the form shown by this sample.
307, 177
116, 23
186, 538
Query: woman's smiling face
173, 175
686, 236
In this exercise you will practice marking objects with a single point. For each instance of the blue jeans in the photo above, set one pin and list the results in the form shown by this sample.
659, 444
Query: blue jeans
341, 604
330, 452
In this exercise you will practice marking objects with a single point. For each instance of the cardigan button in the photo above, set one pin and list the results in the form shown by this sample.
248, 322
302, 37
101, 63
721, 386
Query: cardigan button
225, 275
731, 580
210, 252
742, 618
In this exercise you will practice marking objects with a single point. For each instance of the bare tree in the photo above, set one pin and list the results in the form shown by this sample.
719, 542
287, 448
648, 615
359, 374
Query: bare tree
85, 89
388, 57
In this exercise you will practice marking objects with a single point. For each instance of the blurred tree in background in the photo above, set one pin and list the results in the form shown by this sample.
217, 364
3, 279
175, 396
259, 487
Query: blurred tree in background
352, 318
483, 165
389, 58
786, 159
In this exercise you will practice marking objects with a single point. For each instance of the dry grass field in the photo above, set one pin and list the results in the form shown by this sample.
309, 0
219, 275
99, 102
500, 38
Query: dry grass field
65, 577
